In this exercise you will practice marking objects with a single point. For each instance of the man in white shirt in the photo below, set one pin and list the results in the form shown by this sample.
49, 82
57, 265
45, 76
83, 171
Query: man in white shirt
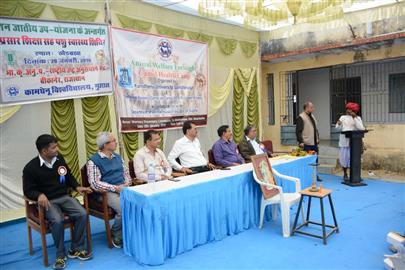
151, 154
188, 151
350, 121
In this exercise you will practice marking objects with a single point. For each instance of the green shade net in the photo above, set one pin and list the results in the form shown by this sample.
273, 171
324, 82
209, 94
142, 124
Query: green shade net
71, 14
237, 110
248, 48
227, 46
130, 141
253, 113
168, 31
200, 37
134, 24
19, 8
96, 118
63, 126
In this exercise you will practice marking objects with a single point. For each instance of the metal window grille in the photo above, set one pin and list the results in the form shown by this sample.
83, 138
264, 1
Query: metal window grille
270, 99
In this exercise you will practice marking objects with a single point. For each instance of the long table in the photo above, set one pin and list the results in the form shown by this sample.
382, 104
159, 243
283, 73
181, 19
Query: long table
165, 218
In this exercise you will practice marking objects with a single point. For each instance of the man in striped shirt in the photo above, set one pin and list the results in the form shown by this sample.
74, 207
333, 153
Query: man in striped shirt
107, 172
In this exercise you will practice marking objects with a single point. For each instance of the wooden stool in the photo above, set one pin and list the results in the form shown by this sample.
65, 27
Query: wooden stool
325, 192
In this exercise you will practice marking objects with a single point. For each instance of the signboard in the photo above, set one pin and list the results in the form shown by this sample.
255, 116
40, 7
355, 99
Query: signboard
161, 81
49, 60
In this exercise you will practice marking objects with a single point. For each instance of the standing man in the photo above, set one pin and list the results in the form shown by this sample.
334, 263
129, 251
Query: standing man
107, 171
250, 144
350, 121
225, 150
151, 154
306, 129
188, 151
46, 179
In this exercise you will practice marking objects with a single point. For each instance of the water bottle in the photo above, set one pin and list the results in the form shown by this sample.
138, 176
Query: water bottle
151, 173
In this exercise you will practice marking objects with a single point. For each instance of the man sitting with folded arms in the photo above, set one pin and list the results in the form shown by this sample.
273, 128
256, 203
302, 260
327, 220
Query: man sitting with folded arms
46, 179
225, 150
107, 172
250, 145
150, 154
188, 150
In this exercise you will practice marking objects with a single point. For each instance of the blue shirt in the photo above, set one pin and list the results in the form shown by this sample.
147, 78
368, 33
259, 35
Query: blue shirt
226, 153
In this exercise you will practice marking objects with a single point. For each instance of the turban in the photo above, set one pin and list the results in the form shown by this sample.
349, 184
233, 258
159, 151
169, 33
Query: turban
353, 106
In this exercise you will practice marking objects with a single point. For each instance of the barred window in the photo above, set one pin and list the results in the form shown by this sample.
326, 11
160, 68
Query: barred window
397, 93
270, 99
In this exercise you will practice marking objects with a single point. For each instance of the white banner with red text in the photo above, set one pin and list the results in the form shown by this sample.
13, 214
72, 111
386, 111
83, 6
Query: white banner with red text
50, 60
160, 82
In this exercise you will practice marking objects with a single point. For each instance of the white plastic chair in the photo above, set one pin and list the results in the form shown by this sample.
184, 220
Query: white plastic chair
285, 200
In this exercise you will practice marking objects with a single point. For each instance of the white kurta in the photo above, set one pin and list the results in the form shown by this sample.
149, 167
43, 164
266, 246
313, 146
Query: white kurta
348, 123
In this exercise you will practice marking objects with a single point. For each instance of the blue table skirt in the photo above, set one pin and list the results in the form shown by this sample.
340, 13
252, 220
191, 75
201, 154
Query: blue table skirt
169, 223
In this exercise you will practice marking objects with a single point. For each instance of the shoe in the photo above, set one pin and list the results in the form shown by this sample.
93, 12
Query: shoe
393, 249
346, 178
82, 255
117, 242
60, 263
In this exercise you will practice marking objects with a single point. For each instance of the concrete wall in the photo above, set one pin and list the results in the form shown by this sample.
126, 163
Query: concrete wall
385, 148
385, 140
313, 85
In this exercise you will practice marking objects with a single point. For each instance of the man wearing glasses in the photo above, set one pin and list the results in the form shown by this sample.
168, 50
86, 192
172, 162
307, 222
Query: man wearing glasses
107, 171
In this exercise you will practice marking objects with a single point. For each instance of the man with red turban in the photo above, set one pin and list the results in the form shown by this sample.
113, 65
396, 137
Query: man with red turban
350, 121
354, 107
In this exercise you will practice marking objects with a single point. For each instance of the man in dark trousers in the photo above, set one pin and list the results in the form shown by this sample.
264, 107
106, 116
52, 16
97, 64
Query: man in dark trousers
306, 129
46, 179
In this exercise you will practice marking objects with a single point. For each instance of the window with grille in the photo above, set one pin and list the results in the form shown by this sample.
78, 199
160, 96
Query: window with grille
270, 99
396, 93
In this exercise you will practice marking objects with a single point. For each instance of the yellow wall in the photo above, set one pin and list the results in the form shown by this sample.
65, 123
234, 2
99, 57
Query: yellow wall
384, 138
385, 148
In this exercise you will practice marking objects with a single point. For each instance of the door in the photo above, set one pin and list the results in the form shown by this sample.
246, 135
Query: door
345, 86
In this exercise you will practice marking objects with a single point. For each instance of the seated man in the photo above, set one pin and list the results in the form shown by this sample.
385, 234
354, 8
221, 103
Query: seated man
151, 154
46, 179
188, 150
107, 172
250, 145
225, 150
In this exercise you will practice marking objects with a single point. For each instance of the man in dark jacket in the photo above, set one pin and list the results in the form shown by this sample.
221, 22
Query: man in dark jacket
46, 179
250, 145
306, 129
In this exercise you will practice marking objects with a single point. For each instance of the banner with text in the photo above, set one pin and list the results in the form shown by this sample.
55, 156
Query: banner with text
161, 81
46, 60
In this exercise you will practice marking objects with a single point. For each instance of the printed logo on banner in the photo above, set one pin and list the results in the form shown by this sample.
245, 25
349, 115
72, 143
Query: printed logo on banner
10, 56
12, 91
200, 81
100, 57
125, 77
165, 49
